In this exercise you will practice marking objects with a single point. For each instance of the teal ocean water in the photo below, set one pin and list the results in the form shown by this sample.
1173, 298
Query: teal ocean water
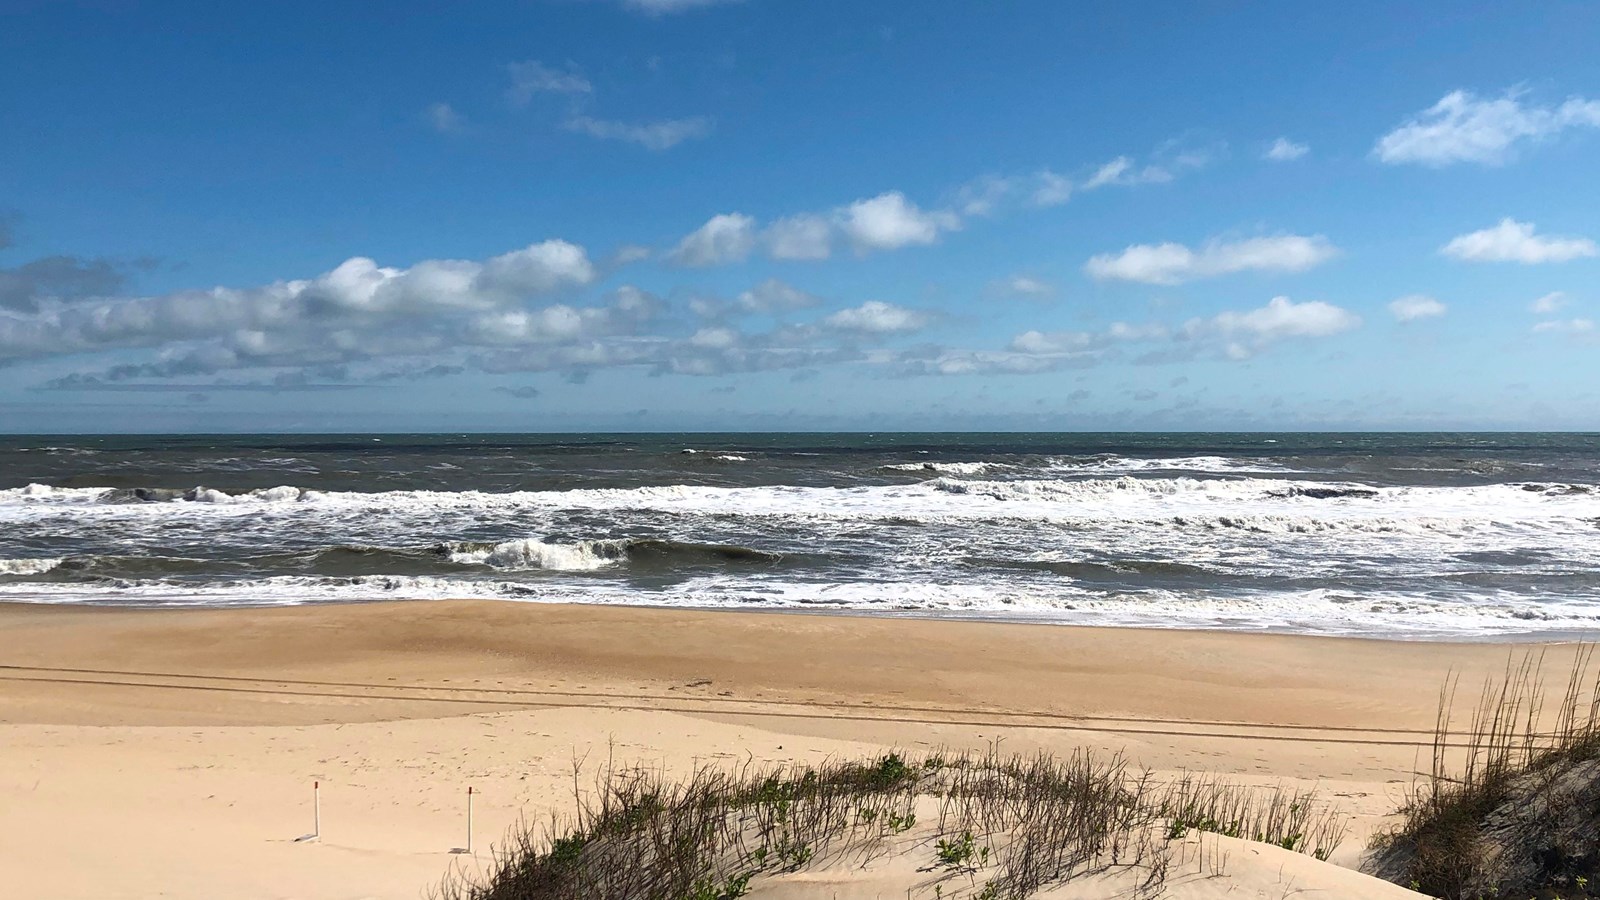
1401, 535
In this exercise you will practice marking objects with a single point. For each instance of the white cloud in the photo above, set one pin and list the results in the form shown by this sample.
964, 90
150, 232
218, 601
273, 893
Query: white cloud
1121, 171
1282, 318
552, 324
533, 77
987, 195
1167, 161
889, 221
1285, 150
725, 238
1248, 332
444, 118
1171, 263
628, 254
1549, 303
668, 7
1513, 241
1574, 327
1416, 306
1050, 189
1053, 342
357, 310
877, 317
1463, 127
1041, 188
773, 296
805, 236
1022, 286
662, 135
716, 338
983, 196
1231, 335
536, 269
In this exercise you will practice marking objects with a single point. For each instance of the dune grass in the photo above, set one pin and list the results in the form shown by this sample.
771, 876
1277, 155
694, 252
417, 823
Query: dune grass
978, 825
1510, 806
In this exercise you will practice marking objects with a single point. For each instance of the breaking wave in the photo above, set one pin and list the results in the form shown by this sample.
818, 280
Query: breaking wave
584, 556
37, 566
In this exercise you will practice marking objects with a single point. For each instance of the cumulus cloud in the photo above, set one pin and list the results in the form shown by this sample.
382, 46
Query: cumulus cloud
1549, 303
1285, 150
889, 221
359, 309
1412, 307
1463, 127
1281, 318
805, 236
1042, 342
521, 391
1248, 332
877, 317
1170, 263
627, 254
662, 135
774, 296
532, 77
724, 238
443, 118
1513, 241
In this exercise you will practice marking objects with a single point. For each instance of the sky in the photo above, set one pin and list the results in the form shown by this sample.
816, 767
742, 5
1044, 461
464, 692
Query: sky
758, 215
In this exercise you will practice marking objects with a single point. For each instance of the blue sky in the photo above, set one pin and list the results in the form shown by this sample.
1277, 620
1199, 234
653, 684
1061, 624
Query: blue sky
773, 214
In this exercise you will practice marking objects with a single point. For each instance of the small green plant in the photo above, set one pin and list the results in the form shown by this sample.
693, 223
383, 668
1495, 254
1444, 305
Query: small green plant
790, 853
565, 851
732, 889
958, 853
891, 771
899, 823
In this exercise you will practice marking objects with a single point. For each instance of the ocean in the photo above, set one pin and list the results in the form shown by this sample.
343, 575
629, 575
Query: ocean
1391, 535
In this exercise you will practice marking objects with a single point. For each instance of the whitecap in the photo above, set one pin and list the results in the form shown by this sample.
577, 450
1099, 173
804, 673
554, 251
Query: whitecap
37, 566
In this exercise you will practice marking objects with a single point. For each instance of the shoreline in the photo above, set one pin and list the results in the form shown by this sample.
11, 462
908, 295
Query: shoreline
1509, 638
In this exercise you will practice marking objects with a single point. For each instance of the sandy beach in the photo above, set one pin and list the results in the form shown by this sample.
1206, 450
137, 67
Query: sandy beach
172, 753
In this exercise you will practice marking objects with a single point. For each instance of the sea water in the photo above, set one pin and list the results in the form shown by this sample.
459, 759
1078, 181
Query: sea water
1397, 535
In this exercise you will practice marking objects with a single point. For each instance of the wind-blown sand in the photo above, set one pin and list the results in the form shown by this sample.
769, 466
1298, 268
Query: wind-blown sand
171, 752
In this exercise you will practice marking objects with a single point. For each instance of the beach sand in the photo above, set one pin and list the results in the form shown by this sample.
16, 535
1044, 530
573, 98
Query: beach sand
171, 753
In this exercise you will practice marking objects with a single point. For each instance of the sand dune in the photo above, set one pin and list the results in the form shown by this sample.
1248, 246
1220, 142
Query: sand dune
171, 753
